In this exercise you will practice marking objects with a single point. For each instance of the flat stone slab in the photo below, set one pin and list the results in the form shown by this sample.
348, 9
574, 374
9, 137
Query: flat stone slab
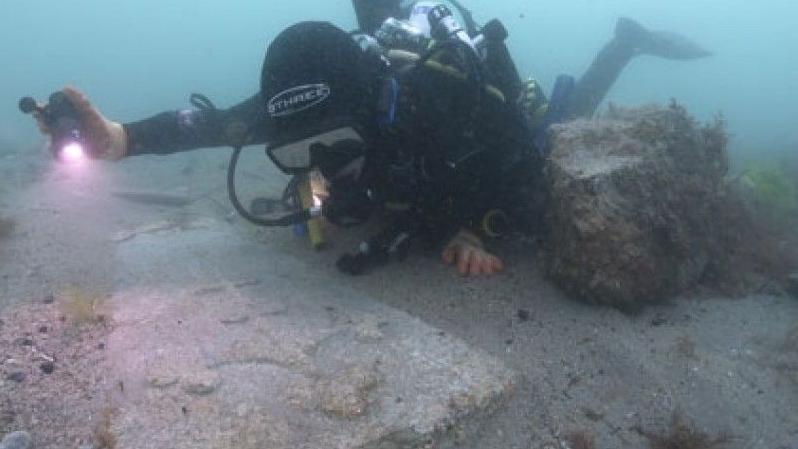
287, 359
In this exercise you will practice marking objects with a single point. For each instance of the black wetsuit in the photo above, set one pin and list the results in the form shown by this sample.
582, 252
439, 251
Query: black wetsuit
453, 152
473, 150
176, 131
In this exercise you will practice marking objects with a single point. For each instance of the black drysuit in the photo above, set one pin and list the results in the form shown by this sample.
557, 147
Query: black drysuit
453, 152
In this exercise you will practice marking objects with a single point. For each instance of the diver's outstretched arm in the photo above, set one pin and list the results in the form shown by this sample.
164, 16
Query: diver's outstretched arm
107, 138
168, 132
631, 39
176, 131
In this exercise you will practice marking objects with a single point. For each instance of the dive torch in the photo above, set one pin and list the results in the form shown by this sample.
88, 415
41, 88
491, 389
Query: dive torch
63, 122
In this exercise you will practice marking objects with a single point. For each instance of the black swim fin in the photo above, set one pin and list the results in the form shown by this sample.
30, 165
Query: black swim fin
664, 44
631, 40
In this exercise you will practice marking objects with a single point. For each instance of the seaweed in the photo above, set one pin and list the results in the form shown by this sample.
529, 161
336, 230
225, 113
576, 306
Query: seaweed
104, 437
775, 196
684, 435
686, 347
82, 307
7, 226
753, 235
580, 439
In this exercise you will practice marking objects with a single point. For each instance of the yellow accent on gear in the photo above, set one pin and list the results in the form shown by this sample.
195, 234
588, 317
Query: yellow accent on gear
315, 233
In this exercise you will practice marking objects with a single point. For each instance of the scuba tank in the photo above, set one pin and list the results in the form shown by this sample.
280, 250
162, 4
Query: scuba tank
396, 34
436, 21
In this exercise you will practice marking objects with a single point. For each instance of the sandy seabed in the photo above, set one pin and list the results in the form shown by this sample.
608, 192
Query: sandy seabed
727, 366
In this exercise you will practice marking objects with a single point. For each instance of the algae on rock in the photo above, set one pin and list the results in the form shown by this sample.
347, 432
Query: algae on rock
774, 194
682, 434
633, 200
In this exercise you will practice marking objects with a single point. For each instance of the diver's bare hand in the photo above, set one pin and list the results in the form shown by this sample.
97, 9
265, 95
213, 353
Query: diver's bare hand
470, 255
108, 138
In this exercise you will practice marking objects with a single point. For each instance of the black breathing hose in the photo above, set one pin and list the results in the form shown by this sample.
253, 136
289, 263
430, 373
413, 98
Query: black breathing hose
204, 103
288, 220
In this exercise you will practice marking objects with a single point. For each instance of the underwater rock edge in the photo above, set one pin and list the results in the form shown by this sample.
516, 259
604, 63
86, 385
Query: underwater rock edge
633, 196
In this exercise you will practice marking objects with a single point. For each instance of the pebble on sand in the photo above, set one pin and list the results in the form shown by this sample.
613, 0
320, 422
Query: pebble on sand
47, 367
24, 341
17, 376
16, 440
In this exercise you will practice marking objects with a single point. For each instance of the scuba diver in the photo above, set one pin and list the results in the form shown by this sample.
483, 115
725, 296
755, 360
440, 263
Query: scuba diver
413, 117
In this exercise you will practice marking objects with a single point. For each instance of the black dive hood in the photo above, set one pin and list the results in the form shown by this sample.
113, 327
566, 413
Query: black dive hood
319, 92
315, 80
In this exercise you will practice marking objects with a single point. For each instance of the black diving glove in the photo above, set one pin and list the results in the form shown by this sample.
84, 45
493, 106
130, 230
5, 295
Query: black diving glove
393, 243
362, 261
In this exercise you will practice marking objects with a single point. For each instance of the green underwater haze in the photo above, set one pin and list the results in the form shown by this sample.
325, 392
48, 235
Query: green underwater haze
138, 57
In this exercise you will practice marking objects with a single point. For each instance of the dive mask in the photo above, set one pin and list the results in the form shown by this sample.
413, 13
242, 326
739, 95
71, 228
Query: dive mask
332, 152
